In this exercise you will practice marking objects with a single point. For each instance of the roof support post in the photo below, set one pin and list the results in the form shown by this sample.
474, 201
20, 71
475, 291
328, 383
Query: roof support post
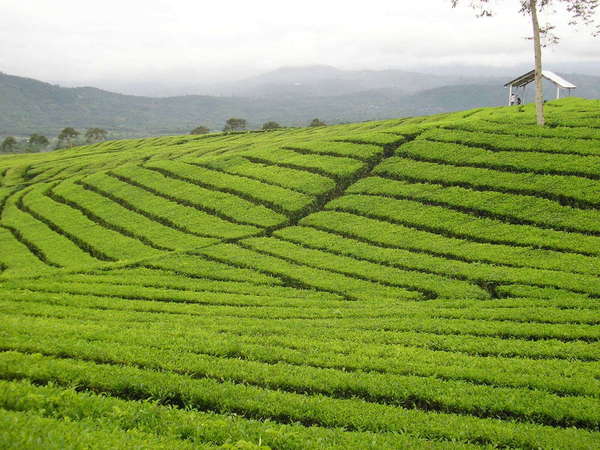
557, 92
509, 94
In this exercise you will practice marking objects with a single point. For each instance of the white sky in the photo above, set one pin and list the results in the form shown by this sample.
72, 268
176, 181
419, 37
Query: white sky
96, 42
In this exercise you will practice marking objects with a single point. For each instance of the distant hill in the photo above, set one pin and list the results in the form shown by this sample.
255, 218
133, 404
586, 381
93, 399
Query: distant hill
30, 106
298, 81
324, 81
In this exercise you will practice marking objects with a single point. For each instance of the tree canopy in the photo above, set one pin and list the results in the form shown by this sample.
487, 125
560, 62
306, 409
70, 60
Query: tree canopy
200, 130
38, 141
271, 125
67, 135
9, 144
95, 134
317, 123
235, 124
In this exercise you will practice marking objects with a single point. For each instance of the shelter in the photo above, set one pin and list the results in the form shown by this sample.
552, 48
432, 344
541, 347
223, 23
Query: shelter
529, 77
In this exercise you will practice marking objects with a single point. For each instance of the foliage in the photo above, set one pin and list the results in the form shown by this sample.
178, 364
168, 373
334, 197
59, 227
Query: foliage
66, 136
200, 130
9, 144
234, 124
37, 141
429, 282
95, 135
270, 126
317, 123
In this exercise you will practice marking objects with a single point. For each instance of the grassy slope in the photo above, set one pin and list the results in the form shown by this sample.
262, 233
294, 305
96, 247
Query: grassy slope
411, 283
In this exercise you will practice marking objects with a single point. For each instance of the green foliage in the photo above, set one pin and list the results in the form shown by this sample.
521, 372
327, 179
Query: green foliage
514, 208
95, 135
328, 166
294, 179
429, 282
271, 125
506, 160
25, 430
235, 124
459, 224
225, 396
317, 123
554, 144
66, 136
276, 198
9, 144
200, 130
357, 150
37, 142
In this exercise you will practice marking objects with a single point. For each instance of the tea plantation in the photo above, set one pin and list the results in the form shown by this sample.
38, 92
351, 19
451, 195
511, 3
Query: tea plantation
429, 282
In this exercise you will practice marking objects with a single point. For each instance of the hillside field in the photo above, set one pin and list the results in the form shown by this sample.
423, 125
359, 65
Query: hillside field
430, 282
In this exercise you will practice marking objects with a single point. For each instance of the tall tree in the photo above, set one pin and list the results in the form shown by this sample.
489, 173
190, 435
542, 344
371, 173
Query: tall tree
580, 12
66, 136
95, 135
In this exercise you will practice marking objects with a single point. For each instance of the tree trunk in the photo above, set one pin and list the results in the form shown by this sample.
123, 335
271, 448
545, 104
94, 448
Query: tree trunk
537, 48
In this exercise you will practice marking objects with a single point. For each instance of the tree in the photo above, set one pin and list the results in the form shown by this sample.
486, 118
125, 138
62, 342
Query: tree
200, 130
234, 124
9, 144
66, 136
579, 11
270, 126
95, 135
37, 141
317, 123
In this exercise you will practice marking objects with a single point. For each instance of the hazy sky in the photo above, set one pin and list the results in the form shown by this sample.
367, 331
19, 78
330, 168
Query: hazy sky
186, 41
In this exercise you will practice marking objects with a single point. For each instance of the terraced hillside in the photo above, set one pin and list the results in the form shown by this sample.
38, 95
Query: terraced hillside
417, 283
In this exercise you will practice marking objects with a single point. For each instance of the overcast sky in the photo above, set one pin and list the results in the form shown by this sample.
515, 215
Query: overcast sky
104, 43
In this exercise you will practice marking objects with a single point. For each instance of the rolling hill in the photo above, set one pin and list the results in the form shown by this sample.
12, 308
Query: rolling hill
429, 282
327, 81
29, 106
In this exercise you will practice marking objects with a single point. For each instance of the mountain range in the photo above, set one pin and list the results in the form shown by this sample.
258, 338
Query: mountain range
290, 96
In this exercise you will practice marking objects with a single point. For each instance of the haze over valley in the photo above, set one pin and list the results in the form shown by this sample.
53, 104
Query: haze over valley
291, 96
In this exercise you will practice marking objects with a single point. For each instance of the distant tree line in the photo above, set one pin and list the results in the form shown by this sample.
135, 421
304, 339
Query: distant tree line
35, 143
235, 124
67, 138
70, 137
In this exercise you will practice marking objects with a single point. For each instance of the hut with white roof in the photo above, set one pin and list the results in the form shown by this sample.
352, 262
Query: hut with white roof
529, 77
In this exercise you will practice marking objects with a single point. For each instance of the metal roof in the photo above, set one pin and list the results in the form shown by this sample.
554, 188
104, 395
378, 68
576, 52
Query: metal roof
530, 76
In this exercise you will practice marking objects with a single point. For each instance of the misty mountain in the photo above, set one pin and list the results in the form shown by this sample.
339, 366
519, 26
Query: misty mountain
29, 106
325, 81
